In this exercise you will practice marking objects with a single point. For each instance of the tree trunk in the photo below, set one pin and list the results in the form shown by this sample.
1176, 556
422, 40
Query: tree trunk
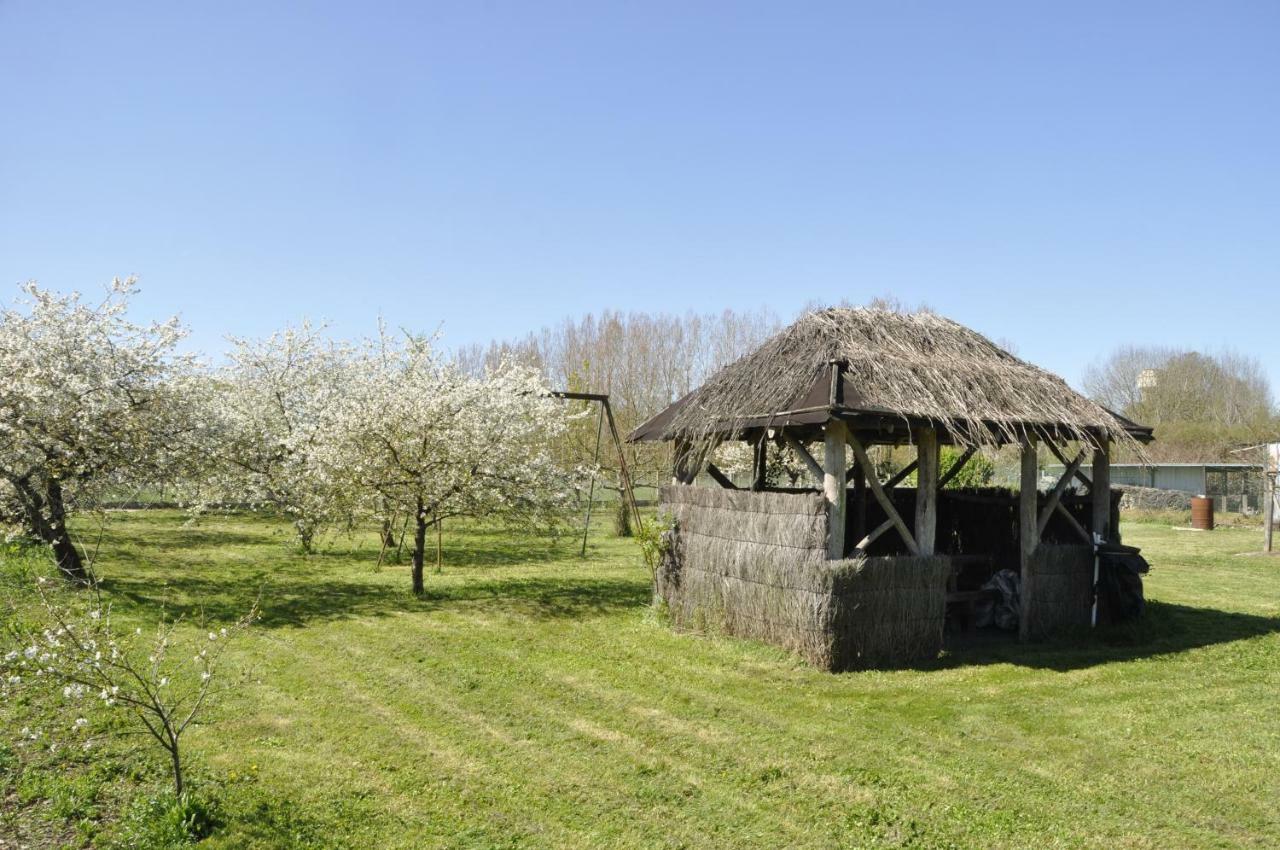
306, 536
419, 547
46, 515
622, 518
177, 768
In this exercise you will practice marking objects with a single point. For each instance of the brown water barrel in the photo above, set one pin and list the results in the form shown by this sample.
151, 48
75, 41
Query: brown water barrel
1202, 513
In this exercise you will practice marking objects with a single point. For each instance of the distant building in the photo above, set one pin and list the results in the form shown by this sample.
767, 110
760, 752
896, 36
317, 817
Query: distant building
1234, 487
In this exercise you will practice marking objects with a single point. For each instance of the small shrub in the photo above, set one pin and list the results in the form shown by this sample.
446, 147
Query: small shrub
162, 681
166, 820
979, 471
654, 536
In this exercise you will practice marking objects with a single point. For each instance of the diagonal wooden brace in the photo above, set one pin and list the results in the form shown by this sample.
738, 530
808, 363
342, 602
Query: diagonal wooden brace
878, 491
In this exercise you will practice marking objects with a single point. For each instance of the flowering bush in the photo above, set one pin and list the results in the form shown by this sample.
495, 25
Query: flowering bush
163, 677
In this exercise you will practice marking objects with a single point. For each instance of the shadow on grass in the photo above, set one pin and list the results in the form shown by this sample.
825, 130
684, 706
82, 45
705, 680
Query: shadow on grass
482, 555
193, 538
1165, 629
296, 604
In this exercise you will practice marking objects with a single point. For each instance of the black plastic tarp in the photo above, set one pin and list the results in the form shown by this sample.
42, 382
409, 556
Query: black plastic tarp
1120, 572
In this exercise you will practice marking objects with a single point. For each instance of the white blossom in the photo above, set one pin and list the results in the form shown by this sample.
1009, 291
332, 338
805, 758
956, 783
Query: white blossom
414, 435
84, 405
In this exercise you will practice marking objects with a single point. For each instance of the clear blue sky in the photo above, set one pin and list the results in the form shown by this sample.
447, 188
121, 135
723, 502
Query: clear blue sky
1068, 176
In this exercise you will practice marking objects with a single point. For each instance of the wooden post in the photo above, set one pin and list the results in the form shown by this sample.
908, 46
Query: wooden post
1270, 513
1028, 531
1269, 471
591, 493
926, 526
1101, 492
859, 502
760, 464
834, 435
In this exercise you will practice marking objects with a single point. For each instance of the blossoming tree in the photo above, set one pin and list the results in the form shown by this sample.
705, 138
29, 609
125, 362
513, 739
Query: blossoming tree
266, 411
413, 432
83, 402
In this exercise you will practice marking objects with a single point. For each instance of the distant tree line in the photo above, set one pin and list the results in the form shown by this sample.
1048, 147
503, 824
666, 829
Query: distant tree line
1203, 406
644, 361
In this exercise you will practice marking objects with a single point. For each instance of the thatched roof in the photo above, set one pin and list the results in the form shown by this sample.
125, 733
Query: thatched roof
885, 372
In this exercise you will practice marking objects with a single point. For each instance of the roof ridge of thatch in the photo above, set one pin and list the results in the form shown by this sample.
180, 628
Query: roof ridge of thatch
921, 366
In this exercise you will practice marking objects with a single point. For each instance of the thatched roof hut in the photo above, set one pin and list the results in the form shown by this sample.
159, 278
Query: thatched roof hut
887, 373
851, 578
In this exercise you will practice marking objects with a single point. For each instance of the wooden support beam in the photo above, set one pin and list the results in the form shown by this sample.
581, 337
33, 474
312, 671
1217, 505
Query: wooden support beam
868, 539
859, 502
719, 477
1028, 531
1055, 498
1102, 492
878, 491
760, 464
1074, 523
834, 434
1269, 486
1269, 514
894, 480
1062, 459
955, 468
901, 475
927, 460
796, 446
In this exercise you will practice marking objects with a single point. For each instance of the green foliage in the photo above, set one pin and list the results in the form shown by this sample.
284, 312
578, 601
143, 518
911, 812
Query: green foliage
1202, 406
1208, 441
21, 562
165, 822
653, 538
979, 471
256, 820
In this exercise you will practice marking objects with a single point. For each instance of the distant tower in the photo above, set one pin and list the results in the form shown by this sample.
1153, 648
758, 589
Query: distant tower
1146, 381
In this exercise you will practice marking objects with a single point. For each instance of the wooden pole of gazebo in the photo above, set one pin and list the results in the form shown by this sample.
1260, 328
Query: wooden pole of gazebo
1028, 530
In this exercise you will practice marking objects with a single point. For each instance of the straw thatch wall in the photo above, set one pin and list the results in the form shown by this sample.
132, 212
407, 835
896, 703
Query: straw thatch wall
888, 611
1061, 588
754, 565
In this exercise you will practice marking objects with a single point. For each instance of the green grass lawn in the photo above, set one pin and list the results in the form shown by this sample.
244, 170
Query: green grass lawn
533, 699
